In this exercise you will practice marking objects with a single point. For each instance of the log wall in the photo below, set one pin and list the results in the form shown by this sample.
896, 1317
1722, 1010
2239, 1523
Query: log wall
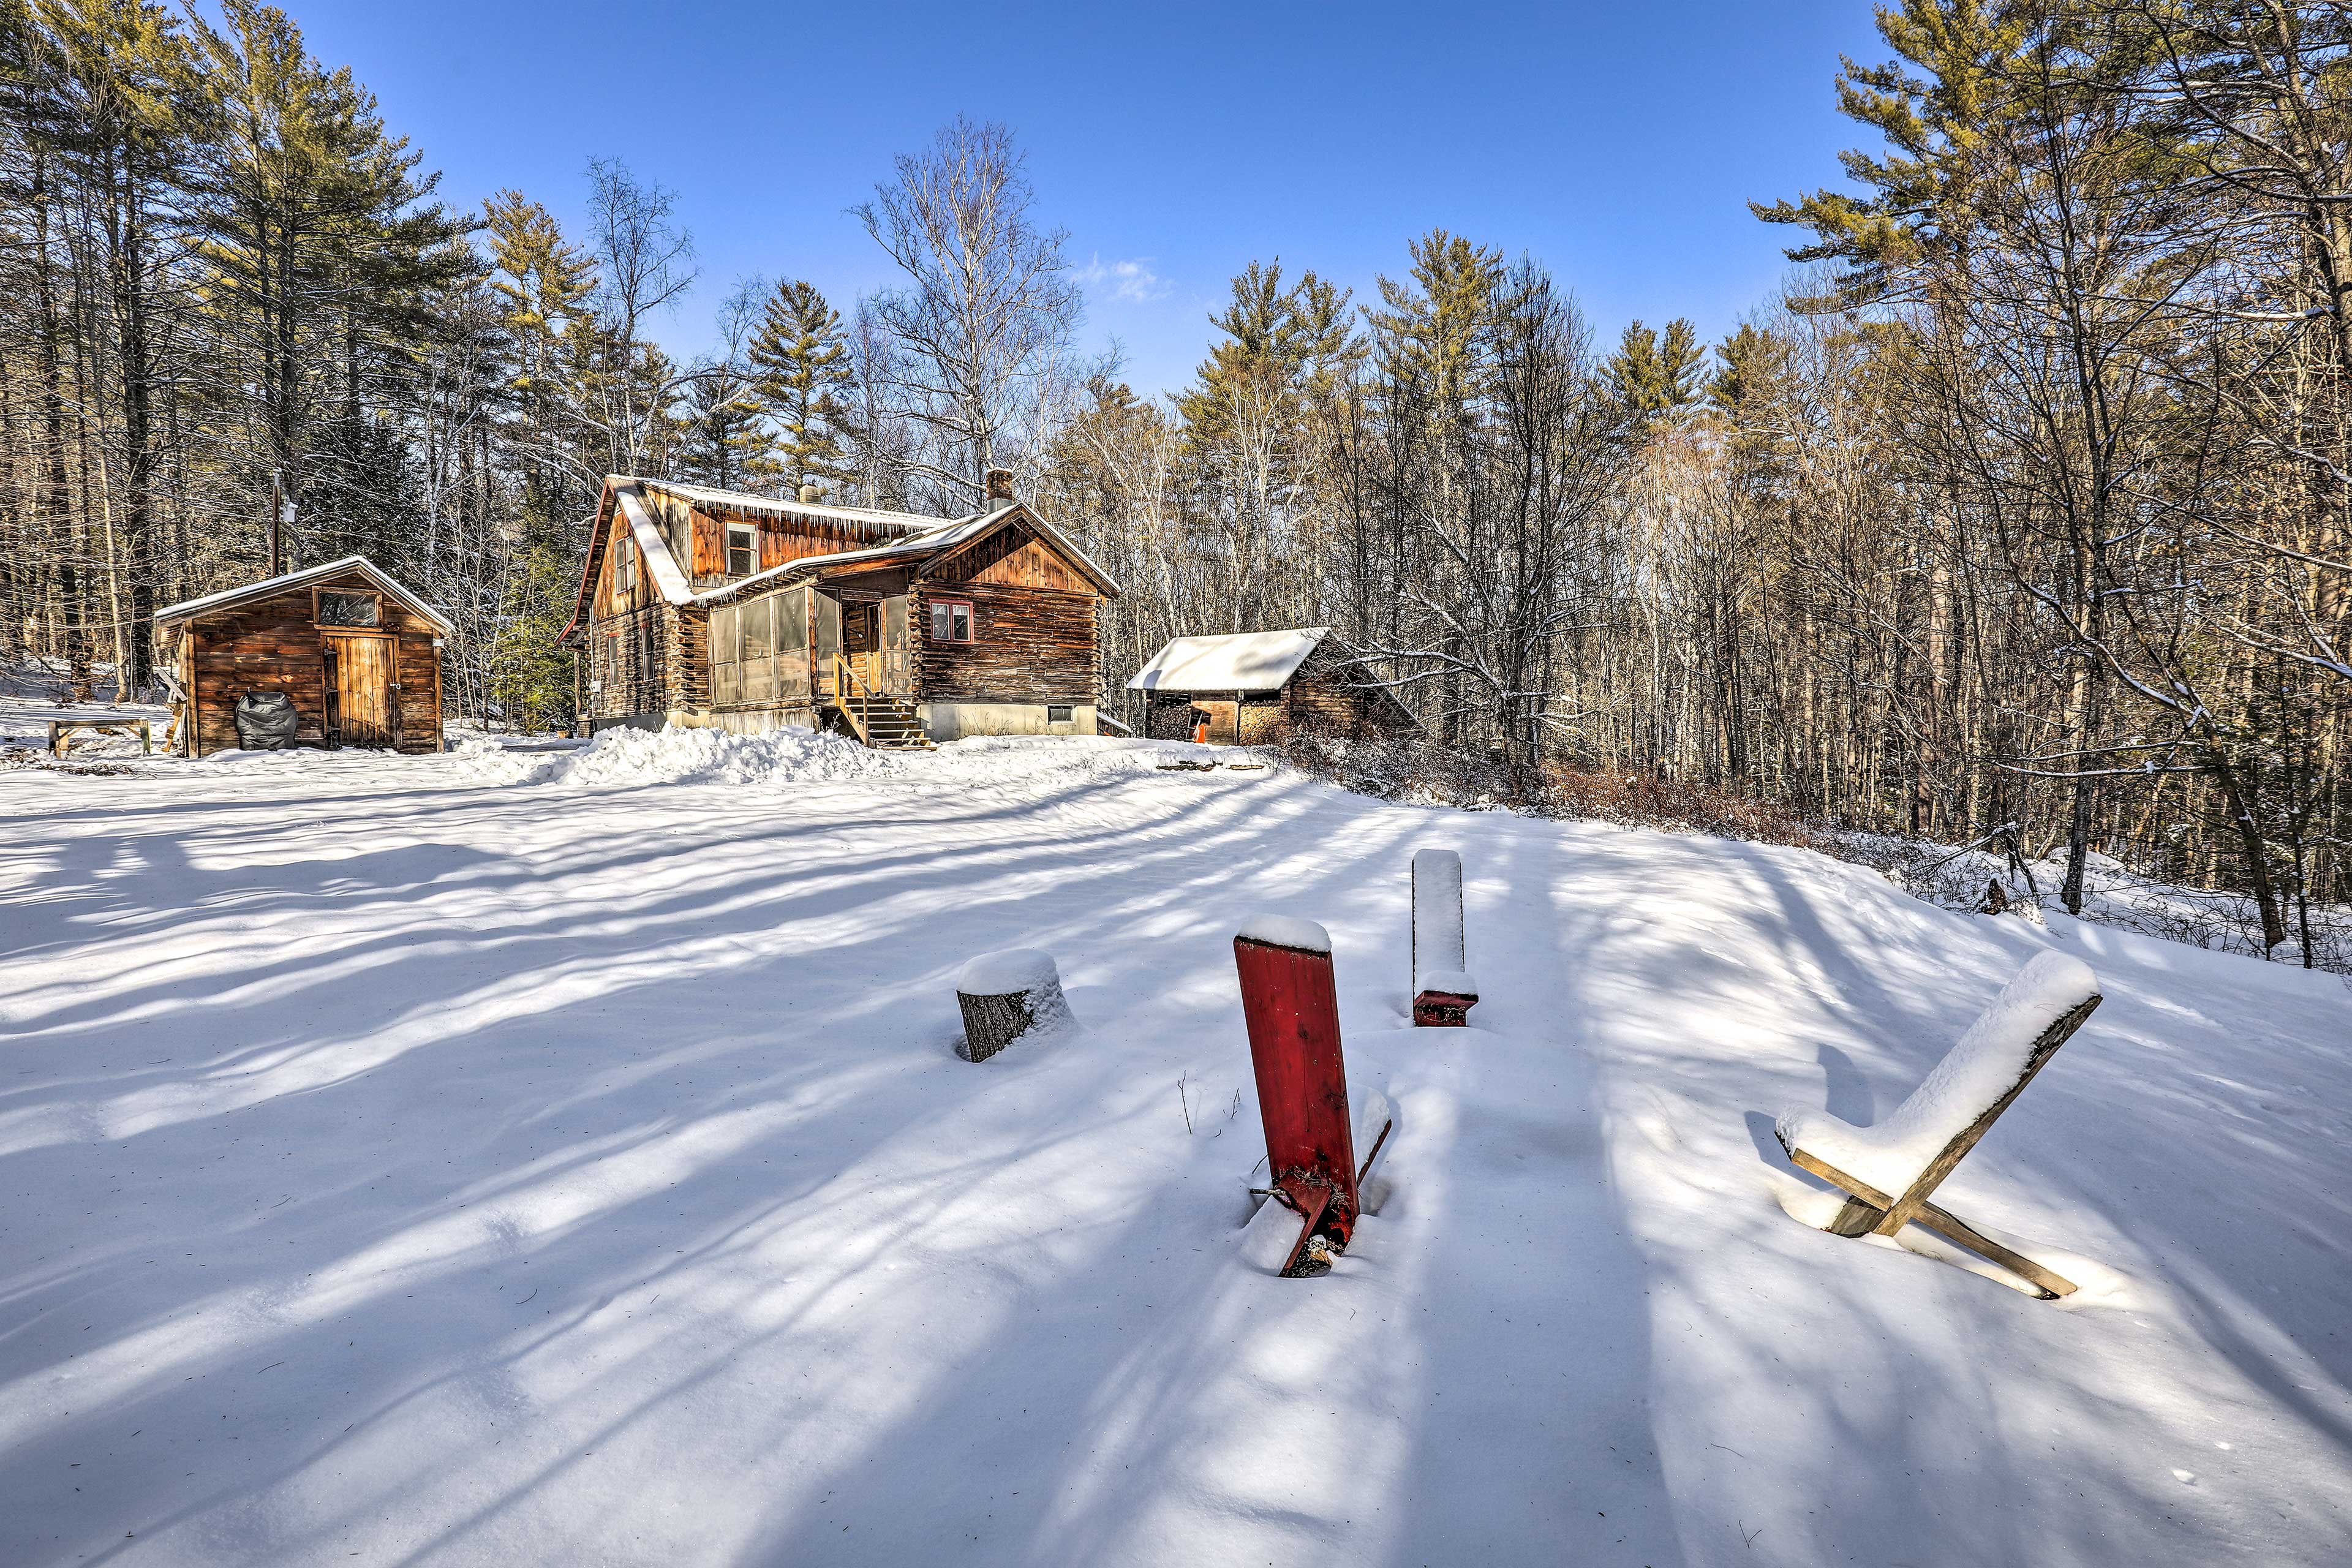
1029, 645
1323, 698
626, 657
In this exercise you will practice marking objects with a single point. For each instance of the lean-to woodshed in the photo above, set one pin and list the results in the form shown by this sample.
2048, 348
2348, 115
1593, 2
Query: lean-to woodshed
357, 653
710, 607
1254, 689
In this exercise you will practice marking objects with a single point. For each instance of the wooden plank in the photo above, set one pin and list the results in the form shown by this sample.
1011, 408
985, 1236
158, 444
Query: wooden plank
710, 551
1906, 1208
188, 664
1866, 1205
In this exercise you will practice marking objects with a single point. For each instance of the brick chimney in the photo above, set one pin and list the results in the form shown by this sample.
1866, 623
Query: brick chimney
808, 493
1000, 488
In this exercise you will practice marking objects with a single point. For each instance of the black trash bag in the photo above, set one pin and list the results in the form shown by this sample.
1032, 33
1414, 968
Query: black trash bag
266, 720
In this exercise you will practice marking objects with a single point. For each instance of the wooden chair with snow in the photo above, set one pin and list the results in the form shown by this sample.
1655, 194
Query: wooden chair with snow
1889, 1170
1442, 990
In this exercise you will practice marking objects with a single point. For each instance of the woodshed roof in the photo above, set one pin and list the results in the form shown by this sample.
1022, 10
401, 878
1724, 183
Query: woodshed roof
230, 597
1243, 661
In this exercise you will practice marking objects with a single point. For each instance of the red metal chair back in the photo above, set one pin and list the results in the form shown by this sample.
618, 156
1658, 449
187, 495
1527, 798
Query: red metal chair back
1292, 1007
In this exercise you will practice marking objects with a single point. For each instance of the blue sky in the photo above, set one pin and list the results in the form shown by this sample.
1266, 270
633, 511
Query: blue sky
1617, 143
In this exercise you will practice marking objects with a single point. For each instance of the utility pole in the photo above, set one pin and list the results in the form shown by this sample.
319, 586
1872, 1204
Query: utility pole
281, 517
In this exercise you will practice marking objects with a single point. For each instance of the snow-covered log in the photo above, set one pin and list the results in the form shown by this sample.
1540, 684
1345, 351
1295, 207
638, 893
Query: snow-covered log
1004, 996
1442, 990
1892, 1169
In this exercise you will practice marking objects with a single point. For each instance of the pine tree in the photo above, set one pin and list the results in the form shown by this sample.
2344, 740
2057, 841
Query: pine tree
318, 250
724, 442
1429, 335
545, 284
121, 82
1652, 377
530, 676
1294, 343
1937, 108
800, 357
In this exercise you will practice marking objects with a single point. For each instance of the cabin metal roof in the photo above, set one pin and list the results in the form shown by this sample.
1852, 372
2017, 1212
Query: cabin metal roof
229, 597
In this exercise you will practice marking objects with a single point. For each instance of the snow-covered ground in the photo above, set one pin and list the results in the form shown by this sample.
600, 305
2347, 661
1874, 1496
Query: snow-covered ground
560, 1155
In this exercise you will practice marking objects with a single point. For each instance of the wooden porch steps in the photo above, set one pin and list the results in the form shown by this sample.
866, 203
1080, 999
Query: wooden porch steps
883, 720
885, 723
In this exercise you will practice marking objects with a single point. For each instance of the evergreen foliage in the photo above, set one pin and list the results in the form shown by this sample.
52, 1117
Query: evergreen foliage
1654, 376
801, 356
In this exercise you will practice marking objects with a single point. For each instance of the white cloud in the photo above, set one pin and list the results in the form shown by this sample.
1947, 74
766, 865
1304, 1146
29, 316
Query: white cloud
1132, 280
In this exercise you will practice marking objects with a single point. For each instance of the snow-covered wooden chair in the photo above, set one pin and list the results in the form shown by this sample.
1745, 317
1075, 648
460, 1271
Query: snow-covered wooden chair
1442, 990
1889, 1170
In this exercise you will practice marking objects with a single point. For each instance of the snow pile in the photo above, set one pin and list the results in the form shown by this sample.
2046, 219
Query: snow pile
1974, 1074
1446, 982
625, 757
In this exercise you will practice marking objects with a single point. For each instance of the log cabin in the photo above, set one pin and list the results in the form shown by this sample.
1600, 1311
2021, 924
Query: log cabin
706, 608
1257, 688
358, 654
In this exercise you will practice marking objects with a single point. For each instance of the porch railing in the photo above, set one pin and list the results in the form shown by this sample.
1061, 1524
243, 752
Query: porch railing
853, 698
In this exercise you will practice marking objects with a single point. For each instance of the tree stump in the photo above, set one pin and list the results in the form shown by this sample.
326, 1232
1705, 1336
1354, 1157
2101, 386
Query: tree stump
1005, 995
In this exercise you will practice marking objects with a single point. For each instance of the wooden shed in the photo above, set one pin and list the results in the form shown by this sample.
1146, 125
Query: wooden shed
1255, 689
357, 653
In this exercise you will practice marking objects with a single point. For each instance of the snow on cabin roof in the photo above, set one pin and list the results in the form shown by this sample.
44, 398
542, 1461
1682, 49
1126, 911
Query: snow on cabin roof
1243, 661
941, 538
660, 565
768, 506
266, 585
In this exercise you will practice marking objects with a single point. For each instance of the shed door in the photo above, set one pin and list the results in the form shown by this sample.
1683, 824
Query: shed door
359, 670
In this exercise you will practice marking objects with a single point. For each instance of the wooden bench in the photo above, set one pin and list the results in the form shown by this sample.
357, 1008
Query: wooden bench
1889, 1170
61, 731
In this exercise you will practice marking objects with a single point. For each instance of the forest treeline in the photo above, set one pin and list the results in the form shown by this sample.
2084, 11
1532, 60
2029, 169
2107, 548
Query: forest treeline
2020, 518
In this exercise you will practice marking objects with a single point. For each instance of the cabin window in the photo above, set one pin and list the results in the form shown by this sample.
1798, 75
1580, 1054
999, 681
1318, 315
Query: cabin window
625, 568
743, 550
338, 609
1057, 713
950, 620
791, 621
